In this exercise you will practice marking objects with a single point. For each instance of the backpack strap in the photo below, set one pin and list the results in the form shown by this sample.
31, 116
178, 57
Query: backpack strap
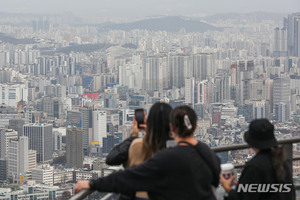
204, 158
209, 164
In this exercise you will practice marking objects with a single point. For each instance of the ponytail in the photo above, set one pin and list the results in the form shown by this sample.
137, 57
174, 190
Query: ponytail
184, 121
278, 158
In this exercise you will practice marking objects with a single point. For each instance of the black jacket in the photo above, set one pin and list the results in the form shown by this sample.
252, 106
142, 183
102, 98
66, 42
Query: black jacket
174, 173
259, 170
119, 154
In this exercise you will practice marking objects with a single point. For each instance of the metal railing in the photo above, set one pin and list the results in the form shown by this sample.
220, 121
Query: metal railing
288, 144
81, 195
246, 146
84, 193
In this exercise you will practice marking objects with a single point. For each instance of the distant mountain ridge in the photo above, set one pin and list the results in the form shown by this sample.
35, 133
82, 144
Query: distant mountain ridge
12, 40
170, 24
254, 16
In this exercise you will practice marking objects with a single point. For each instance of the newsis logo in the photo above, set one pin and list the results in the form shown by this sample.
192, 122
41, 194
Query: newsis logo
264, 187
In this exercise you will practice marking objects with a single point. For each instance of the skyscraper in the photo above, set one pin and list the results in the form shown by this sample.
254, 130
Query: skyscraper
155, 73
280, 42
3, 169
73, 118
281, 90
258, 89
53, 107
276, 41
99, 126
131, 75
12, 93
245, 75
31, 159
57, 140
293, 34
40, 139
202, 92
222, 88
283, 42
17, 125
281, 98
181, 67
260, 108
17, 157
74, 151
108, 143
234, 74
190, 91
204, 66
28, 115
280, 112
5, 136
87, 127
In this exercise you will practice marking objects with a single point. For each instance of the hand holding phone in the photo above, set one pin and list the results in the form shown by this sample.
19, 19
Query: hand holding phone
139, 117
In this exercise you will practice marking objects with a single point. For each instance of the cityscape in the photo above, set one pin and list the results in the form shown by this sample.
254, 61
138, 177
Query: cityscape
70, 88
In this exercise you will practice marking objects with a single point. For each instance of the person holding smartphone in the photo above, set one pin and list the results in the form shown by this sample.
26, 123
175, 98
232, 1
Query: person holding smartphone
186, 171
157, 130
119, 154
157, 133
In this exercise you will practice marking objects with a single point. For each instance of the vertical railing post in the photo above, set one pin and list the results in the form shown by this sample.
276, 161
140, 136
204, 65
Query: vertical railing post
289, 155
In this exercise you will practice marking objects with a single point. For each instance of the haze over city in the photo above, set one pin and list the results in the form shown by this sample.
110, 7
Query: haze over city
138, 8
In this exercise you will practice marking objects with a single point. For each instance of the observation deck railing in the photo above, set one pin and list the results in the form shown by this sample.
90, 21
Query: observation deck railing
288, 145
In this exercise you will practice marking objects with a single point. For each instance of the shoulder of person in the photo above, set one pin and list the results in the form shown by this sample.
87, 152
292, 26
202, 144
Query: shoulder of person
136, 147
202, 145
135, 155
136, 142
209, 155
168, 157
173, 153
260, 162
204, 148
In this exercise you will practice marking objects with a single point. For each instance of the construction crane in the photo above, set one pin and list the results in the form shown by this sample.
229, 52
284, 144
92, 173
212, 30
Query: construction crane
19, 108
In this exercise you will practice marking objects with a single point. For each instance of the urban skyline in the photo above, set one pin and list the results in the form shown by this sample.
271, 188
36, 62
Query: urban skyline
69, 87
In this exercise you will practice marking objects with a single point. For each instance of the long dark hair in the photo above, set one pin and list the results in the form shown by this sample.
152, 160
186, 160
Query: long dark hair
158, 129
177, 119
278, 157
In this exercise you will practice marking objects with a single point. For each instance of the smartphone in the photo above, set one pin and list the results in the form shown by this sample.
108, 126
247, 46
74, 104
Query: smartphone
139, 116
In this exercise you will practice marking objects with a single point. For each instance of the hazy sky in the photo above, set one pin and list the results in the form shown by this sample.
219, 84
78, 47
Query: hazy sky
141, 8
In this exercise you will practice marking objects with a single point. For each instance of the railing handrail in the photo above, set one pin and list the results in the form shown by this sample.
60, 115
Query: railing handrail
84, 193
246, 146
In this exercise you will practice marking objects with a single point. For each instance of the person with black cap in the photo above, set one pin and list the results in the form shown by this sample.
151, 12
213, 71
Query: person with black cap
267, 175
